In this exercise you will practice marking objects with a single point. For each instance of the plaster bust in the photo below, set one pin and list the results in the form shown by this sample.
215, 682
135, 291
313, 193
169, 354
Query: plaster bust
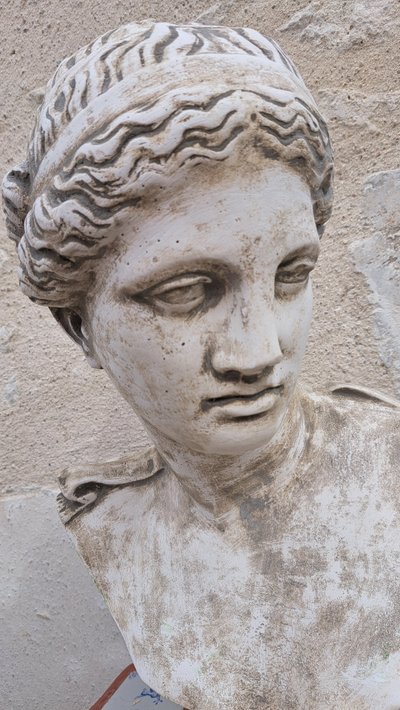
170, 210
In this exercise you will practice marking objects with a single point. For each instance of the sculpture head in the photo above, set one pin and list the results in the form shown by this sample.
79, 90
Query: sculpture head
169, 212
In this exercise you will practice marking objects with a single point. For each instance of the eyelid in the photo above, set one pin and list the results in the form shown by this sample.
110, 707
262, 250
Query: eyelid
306, 259
178, 282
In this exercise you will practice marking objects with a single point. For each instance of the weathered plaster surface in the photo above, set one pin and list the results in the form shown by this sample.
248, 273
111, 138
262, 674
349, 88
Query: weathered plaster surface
60, 648
317, 554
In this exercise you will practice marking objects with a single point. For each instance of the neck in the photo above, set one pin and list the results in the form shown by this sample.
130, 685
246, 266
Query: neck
219, 483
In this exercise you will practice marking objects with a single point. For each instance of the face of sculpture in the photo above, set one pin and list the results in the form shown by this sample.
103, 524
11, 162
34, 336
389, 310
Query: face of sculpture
201, 309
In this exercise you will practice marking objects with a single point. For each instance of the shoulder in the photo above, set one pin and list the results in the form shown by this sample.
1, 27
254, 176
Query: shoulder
365, 395
353, 398
81, 488
352, 410
367, 406
353, 451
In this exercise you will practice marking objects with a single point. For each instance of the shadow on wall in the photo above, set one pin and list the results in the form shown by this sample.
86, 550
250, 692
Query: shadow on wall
63, 647
378, 258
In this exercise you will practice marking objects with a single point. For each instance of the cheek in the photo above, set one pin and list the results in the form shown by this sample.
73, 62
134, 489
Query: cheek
122, 348
141, 353
295, 320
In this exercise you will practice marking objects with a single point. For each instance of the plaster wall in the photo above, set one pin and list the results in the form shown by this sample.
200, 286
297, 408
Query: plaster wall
56, 411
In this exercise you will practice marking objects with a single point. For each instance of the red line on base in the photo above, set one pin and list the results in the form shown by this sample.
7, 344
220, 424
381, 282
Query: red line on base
100, 703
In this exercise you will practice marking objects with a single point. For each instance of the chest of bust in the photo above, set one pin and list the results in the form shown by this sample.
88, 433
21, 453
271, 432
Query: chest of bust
272, 607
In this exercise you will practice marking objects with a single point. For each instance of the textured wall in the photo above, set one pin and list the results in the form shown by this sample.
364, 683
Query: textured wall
54, 409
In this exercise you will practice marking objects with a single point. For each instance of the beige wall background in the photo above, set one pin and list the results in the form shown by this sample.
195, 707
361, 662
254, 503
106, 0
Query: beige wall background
56, 411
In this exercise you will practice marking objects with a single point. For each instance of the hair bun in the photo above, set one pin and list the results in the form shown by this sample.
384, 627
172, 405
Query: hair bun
16, 200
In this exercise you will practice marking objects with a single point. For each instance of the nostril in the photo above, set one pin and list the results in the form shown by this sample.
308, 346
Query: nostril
232, 375
249, 379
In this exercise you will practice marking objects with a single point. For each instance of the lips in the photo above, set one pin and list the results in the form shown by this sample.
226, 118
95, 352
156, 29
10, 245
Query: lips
239, 405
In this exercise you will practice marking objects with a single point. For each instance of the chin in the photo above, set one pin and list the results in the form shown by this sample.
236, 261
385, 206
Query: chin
238, 437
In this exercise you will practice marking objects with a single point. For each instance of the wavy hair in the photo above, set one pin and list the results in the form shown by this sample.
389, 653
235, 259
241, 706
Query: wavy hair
59, 210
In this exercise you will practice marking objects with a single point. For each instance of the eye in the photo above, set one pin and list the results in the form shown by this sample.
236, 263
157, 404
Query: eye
292, 276
181, 295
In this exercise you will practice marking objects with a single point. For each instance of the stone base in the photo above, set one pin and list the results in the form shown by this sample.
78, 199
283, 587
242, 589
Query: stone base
128, 691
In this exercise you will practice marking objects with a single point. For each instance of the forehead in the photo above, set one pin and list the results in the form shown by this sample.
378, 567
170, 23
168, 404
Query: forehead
218, 212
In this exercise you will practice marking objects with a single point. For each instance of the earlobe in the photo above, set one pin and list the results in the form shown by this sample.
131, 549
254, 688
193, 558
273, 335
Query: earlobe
74, 326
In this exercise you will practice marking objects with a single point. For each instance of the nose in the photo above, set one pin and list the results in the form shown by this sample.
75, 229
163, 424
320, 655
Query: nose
250, 346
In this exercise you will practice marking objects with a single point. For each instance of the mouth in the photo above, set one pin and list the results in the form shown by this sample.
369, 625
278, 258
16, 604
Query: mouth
243, 406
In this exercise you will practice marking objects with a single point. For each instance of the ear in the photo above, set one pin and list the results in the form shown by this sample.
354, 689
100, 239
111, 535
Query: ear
74, 326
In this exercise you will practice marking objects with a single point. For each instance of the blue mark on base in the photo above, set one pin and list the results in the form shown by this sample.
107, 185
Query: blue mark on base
149, 693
